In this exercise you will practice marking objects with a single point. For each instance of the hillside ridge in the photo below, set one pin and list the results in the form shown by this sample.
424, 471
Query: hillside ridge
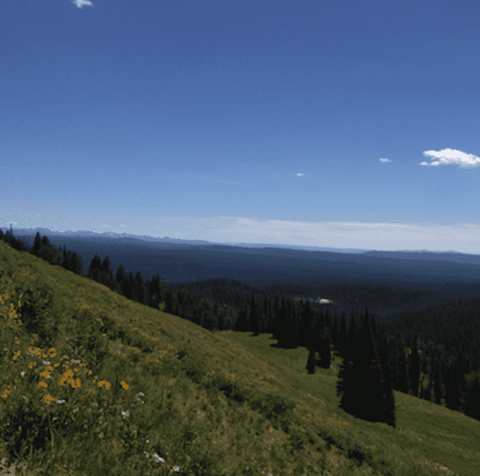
213, 403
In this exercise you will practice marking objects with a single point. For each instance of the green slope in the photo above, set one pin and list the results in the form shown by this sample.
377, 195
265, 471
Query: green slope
143, 392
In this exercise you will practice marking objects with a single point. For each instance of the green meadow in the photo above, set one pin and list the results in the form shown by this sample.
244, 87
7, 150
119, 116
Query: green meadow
94, 384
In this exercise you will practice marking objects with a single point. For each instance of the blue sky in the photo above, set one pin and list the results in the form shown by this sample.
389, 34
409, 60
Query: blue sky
326, 123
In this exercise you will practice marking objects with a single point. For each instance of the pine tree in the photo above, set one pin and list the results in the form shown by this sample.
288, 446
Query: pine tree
472, 402
95, 269
292, 326
37, 244
364, 391
242, 322
348, 355
325, 351
107, 272
437, 383
311, 360
453, 390
414, 369
281, 325
305, 327
140, 290
388, 406
254, 321
342, 335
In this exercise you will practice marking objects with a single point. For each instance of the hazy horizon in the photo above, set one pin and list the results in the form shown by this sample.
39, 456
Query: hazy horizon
328, 124
336, 229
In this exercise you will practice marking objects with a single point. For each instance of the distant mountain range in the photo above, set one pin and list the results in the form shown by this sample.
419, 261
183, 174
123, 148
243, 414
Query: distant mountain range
453, 256
179, 260
83, 233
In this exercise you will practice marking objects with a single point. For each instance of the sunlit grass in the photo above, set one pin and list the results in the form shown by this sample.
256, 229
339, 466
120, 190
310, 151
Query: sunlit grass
123, 389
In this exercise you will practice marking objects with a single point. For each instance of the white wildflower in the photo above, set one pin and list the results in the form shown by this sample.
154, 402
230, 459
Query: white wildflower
158, 459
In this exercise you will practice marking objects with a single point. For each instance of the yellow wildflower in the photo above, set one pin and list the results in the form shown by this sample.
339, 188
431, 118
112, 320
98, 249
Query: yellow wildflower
42, 384
48, 399
124, 385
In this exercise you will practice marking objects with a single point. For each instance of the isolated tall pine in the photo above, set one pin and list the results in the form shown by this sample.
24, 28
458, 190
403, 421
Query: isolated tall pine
325, 351
364, 392
311, 360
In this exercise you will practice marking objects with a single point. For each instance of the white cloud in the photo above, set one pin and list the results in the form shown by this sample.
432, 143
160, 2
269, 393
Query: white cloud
300, 175
385, 160
82, 3
449, 157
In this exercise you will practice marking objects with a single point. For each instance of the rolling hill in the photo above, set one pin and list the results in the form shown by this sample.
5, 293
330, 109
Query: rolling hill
95, 384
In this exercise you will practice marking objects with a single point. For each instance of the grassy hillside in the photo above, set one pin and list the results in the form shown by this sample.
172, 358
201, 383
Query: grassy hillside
93, 384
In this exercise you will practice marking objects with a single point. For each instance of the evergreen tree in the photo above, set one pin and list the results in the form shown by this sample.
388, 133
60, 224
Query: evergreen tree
311, 360
155, 290
325, 351
342, 335
404, 384
95, 269
37, 244
453, 390
291, 333
281, 325
305, 327
242, 322
107, 272
437, 383
414, 369
139, 288
388, 406
472, 402
121, 276
254, 321
349, 353
169, 301
364, 392
77, 264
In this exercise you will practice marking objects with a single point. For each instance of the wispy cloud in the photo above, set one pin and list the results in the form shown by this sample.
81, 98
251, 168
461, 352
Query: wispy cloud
385, 160
82, 3
451, 157
300, 175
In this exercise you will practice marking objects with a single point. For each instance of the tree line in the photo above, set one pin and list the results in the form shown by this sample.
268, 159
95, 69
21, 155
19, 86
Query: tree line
374, 360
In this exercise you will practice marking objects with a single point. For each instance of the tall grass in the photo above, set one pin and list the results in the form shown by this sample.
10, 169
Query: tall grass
92, 384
